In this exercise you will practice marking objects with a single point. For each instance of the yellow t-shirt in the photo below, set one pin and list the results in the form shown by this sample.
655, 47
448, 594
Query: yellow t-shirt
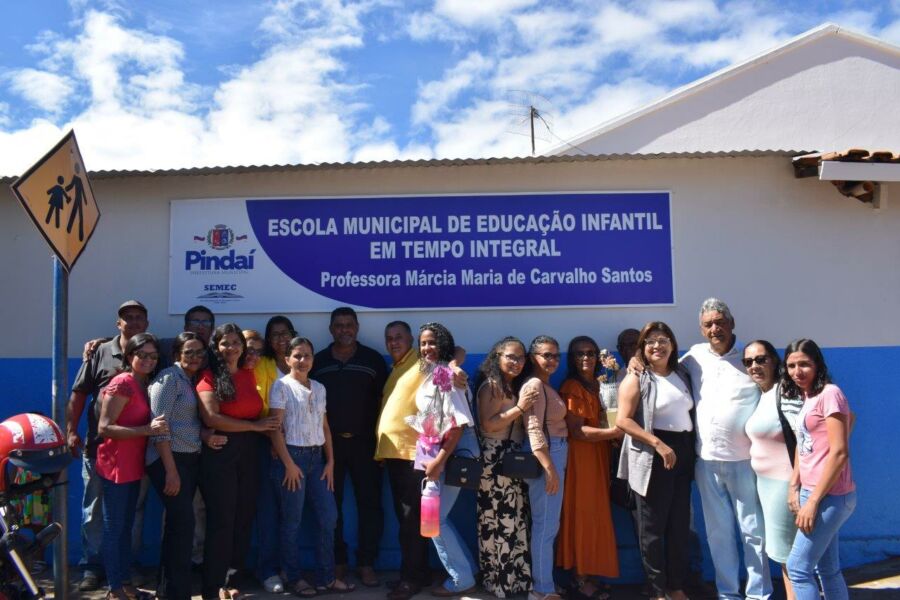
266, 373
396, 439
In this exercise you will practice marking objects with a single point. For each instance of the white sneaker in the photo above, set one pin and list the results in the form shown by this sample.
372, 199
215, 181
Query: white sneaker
274, 585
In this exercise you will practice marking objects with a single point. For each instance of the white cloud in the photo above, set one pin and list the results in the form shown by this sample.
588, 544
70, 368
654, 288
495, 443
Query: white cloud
479, 14
45, 90
435, 95
891, 33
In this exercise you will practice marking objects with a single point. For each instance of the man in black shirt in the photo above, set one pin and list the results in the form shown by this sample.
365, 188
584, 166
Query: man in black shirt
354, 376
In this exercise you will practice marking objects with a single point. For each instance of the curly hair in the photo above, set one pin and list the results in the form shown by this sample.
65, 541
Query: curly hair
490, 368
789, 389
445, 344
268, 350
572, 370
224, 385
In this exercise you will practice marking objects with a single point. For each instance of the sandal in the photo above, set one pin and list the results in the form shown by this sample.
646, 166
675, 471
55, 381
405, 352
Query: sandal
336, 587
302, 589
230, 594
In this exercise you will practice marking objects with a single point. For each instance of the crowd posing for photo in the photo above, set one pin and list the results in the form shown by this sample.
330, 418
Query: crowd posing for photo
237, 432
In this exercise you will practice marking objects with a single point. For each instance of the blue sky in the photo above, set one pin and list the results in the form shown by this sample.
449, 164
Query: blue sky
180, 83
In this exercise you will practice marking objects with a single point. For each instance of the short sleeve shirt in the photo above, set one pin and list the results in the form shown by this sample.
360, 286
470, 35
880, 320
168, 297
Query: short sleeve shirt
304, 410
92, 378
354, 389
246, 404
812, 439
122, 461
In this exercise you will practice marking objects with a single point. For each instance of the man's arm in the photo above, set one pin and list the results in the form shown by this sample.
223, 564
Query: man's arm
74, 408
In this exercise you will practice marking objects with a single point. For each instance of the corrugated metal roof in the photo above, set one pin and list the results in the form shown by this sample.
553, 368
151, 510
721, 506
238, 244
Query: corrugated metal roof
400, 164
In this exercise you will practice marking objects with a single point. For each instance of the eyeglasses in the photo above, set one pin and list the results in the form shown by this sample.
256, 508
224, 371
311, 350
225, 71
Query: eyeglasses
253, 351
147, 355
549, 355
280, 334
514, 358
662, 342
193, 353
760, 360
586, 354
200, 322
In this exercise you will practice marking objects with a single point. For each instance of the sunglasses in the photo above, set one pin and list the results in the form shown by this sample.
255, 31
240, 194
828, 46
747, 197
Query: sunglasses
585, 354
760, 360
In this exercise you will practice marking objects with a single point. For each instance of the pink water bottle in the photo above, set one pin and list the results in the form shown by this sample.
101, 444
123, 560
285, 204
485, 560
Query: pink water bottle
430, 517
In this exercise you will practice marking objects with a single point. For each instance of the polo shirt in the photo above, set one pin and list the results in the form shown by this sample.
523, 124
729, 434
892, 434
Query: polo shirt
396, 439
353, 389
725, 398
92, 378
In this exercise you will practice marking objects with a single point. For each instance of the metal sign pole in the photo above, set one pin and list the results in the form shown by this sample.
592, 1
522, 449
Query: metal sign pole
60, 397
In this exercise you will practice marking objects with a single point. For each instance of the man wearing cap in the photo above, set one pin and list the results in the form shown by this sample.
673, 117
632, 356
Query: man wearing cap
93, 377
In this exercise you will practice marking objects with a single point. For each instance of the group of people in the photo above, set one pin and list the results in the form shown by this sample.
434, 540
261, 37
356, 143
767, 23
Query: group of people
236, 431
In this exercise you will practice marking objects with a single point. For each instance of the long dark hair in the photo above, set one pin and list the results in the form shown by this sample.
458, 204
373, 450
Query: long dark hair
808, 347
528, 371
490, 368
446, 345
224, 385
133, 345
572, 370
268, 350
665, 330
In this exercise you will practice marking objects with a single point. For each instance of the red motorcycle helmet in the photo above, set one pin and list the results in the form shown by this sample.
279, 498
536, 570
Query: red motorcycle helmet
32, 442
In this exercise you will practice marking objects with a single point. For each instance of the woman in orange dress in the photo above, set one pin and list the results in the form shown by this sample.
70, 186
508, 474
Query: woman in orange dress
587, 541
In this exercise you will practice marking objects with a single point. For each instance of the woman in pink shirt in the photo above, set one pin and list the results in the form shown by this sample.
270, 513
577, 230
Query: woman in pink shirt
125, 425
822, 494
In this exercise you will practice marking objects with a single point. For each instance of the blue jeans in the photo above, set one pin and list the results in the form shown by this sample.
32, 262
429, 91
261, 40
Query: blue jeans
545, 511
818, 550
315, 489
451, 549
119, 504
268, 506
729, 497
91, 519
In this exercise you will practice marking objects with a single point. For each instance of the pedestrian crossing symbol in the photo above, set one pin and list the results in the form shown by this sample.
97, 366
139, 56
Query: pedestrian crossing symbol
57, 195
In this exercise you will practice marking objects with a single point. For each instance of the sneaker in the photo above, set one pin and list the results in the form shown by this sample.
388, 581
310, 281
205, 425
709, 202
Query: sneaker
274, 585
89, 583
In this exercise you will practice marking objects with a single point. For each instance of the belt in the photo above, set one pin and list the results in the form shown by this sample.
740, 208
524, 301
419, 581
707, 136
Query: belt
346, 435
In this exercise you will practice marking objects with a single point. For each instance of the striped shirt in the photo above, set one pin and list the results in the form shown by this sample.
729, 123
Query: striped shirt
172, 394
304, 410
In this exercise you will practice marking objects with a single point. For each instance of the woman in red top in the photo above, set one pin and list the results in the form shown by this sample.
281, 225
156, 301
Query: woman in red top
125, 425
229, 478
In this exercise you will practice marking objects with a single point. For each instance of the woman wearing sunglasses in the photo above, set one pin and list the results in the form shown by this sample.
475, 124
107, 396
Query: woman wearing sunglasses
772, 445
545, 422
656, 411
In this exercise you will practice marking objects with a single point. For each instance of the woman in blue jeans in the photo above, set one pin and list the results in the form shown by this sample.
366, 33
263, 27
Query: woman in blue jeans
449, 410
822, 493
305, 470
545, 423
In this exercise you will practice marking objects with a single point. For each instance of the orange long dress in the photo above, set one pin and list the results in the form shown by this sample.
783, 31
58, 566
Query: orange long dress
587, 540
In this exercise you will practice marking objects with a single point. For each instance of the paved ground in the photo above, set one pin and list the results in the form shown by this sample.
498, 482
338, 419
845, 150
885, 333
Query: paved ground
877, 581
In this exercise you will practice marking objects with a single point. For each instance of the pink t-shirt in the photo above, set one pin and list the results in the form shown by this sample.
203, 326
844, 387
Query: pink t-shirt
812, 439
122, 461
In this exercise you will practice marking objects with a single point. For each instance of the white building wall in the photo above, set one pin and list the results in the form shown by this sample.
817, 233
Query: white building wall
831, 93
792, 257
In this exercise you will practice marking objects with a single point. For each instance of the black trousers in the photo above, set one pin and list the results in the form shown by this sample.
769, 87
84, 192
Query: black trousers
354, 455
178, 530
229, 482
664, 516
406, 488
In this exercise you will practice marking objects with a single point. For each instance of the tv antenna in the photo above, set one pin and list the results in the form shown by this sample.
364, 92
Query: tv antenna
530, 118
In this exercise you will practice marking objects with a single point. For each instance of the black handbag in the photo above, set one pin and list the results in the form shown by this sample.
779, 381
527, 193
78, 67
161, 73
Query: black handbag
463, 471
523, 465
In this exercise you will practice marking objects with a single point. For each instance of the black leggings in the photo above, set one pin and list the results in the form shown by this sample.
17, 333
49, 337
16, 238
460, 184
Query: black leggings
229, 482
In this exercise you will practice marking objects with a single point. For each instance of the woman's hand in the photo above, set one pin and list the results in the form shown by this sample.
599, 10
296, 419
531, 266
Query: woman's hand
551, 480
667, 454
292, 477
328, 475
158, 426
434, 469
173, 483
794, 500
525, 403
806, 516
267, 424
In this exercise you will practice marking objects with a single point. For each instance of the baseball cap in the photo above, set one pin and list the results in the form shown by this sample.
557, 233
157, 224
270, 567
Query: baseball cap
131, 304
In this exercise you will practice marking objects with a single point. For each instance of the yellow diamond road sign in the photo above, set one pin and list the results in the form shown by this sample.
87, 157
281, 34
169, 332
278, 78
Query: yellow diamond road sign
58, 197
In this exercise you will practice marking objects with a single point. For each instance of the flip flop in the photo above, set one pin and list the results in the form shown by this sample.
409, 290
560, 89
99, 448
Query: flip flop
336, 587
302, 589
